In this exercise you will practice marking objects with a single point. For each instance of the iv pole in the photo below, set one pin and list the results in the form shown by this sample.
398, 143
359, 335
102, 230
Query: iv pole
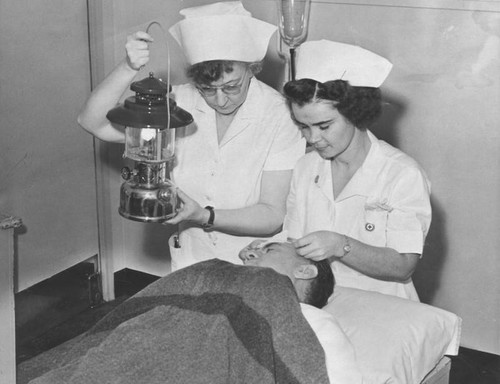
292, 63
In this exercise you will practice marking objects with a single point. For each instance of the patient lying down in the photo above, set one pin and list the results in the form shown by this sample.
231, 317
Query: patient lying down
314, 283
216, 322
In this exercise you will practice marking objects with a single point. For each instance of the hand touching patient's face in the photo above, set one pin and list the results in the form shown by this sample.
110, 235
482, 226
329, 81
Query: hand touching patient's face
281, 257
312, 287
278, 256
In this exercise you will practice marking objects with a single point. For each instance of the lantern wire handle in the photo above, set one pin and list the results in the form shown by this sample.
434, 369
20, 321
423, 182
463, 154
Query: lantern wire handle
158, 144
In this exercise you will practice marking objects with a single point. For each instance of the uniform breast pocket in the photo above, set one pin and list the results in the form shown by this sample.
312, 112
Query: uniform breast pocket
373, 229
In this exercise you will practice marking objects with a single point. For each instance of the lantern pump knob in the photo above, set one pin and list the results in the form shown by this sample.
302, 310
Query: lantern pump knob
126, 173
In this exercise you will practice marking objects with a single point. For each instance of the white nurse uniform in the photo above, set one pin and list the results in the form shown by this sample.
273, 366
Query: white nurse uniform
227, 175
385, 204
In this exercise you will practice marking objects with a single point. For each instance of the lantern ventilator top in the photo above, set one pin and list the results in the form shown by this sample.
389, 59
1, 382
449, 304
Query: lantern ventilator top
151, 107
149, 117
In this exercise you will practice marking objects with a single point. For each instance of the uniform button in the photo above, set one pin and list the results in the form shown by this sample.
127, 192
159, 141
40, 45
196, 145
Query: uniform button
369, 227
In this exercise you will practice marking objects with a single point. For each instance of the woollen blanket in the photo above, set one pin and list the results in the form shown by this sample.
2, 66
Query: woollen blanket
212, 322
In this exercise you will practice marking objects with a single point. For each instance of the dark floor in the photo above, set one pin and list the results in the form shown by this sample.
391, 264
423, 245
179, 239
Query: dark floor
59, 309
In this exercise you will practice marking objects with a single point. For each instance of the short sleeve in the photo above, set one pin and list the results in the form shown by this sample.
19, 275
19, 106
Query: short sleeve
288, 145
410, 217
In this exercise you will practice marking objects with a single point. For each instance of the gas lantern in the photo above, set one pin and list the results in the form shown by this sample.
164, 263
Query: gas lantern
150, 119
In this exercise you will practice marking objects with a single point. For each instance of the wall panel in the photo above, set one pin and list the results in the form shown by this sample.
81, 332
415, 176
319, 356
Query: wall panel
47, 163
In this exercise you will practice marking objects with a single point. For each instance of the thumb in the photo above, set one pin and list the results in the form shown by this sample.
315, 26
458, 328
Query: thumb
182, 195
302, 242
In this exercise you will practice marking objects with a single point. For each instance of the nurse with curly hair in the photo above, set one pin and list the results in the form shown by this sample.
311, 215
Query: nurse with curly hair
355, 200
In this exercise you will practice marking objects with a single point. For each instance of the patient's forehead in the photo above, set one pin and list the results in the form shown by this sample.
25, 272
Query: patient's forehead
283, 251
284, 247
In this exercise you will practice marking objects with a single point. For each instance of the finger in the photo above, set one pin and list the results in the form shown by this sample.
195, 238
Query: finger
176, 219
256, 243
302, 242
315, 258
301, 251
312, 255
315, 254
180, 216
137, 50
182, 195
306, 250
144, 36
172, 221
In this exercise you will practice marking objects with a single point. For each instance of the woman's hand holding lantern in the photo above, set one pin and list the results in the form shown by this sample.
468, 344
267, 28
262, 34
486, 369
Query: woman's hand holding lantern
190, 211
137, 48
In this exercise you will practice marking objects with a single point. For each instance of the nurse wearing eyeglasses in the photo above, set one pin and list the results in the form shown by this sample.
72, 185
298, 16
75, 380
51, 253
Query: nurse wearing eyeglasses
354, 200
234, 163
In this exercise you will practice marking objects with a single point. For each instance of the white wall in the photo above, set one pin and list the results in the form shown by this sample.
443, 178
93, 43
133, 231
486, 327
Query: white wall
443, 109
47, 162
443, 98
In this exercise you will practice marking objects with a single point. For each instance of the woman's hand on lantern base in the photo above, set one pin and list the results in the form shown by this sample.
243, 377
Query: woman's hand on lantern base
190, 211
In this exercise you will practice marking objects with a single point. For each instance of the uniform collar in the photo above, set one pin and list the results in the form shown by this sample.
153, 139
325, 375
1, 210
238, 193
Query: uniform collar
361, 183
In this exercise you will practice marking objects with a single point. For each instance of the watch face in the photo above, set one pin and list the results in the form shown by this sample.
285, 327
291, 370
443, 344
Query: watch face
347, 249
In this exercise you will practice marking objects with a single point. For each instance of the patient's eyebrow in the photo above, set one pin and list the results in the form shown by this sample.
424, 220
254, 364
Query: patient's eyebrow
266, 246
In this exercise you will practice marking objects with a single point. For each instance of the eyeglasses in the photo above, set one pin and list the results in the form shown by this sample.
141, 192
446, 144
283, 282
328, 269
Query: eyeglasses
227, 89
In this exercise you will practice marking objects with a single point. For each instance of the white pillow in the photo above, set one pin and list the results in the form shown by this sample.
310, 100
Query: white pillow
395, 340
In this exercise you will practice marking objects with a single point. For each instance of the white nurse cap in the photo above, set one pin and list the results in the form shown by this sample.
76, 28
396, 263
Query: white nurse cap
222, 31
325, 60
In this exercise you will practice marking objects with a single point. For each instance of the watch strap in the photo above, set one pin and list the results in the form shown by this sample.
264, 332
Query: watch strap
211, 218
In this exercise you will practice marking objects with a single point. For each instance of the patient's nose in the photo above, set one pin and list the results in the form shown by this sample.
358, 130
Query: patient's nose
249, 254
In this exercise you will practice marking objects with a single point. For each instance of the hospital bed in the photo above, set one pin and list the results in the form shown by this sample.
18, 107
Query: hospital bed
395, 340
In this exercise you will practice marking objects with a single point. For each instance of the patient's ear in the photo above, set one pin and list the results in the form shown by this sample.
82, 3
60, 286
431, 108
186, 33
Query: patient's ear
305, 272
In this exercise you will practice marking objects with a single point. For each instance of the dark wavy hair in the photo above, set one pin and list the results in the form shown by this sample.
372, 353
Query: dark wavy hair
321, 287
206, 72
360, 105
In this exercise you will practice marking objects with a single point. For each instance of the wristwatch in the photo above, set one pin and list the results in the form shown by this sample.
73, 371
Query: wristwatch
211, 218
346, 248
